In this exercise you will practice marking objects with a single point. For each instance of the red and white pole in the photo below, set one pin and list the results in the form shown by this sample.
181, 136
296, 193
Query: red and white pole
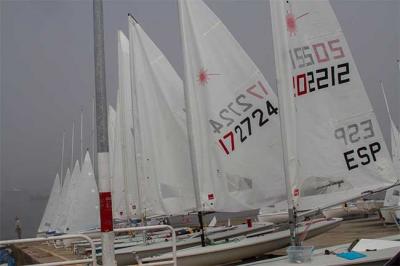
104, 175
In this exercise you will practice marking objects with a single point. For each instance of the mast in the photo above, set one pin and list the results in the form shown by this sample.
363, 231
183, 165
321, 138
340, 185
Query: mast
285, 105
93, 131
72, 144
62, 159
81, 137
190, 127
104, 182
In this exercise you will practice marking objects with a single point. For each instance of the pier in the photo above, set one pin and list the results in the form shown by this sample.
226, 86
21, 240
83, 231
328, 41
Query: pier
346, 232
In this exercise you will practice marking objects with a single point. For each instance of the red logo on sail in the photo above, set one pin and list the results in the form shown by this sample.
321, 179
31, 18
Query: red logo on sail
203, 77
296, 192
291, 23
210, 196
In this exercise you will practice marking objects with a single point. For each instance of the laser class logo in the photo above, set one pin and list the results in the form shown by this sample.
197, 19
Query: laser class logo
291, 19
203, 76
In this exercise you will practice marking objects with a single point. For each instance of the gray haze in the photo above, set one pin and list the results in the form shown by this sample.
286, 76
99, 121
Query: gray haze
47, 75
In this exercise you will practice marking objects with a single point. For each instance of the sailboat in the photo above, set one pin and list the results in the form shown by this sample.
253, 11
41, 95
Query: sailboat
83, 211
49, 214
157, 98
324, 107
70, 186
62, 203
118, 184
125, 142
391, 210
216, 66
333, 149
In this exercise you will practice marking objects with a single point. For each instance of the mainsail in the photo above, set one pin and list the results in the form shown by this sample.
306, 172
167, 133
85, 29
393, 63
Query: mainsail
119, 204
62, 204
339, 148
124, 125
68, 197
395, 142
83, 212
393, 195
165, 181
49, 215
233, 114
394, 136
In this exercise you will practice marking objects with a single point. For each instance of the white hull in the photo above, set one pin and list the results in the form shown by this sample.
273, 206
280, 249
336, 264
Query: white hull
376, 257
275, 217
245, 248
127, 255
341, 212
369, 206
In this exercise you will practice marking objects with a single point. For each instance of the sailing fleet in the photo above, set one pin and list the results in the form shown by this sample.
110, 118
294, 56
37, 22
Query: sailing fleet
221, 140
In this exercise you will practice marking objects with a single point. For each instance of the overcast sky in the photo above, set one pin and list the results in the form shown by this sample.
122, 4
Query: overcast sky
47, 74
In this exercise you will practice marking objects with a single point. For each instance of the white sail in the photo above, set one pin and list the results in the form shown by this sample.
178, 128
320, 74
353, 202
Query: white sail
340, 149
49, 215
124, 128
70, 194
394, 135
63, 200
234, 116
392, 196
112, 117
395, 141
68, 197
83, 213
166, 182
119, 206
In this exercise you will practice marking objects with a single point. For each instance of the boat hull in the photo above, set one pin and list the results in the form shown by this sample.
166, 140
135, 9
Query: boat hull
389, 213
245, 248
